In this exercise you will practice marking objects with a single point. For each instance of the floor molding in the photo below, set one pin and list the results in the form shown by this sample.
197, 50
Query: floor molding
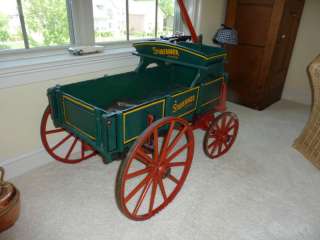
26, 162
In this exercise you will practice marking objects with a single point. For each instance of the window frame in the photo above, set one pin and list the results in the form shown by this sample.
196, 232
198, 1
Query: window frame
24, 33
128, 40
81, 22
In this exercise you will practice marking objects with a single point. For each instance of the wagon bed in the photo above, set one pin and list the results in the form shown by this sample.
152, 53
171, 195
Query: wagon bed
82, 108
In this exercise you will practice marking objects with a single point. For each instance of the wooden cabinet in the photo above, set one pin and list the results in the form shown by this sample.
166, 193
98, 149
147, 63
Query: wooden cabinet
258, 65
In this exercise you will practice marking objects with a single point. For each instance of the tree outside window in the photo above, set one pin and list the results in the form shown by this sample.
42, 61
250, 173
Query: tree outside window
46, 22
10, 30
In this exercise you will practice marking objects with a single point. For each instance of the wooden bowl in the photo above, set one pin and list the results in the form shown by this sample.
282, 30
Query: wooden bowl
10, 214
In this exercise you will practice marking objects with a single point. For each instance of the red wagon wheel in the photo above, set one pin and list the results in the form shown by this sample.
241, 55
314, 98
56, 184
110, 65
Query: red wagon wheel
221, 135
62, 145
149, 180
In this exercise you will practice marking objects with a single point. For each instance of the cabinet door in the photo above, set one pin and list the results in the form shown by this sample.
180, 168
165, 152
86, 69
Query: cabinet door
283, 49
251, 18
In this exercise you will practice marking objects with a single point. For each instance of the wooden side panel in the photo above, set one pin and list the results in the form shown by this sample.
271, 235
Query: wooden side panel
135, 120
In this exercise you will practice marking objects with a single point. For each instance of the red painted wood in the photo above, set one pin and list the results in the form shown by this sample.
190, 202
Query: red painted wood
187, 21
86, 150
158, 173
221, 135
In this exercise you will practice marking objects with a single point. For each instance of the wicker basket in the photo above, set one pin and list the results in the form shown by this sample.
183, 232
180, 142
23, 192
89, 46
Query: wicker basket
9, 204
308, 143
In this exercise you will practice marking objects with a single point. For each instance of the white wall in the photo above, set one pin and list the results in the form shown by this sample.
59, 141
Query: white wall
23, 100
307, 47
212, 14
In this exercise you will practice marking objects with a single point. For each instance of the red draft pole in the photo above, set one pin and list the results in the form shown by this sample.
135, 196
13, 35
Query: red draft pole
187, 21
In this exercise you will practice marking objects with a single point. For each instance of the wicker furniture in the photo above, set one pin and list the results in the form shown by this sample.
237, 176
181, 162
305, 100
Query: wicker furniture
308, 143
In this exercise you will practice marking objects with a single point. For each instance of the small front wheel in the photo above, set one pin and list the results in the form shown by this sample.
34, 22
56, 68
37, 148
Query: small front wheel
221, 135
149, 180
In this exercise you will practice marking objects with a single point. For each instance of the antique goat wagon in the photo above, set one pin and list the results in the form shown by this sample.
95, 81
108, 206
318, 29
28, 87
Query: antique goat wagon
146, 118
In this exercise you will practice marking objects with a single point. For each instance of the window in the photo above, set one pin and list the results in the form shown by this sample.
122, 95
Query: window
28, 24
109, 20
165, 17
142, 19
10, 29
33, 23
46, 22
116, 20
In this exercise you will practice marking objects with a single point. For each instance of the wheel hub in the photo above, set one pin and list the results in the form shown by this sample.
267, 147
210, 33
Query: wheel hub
166, 173
163, 171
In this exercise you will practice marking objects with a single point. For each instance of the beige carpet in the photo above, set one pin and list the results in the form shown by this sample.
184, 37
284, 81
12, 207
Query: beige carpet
262, 189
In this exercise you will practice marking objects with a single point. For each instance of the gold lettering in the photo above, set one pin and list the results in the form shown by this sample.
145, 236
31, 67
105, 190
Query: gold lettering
178, 106
166, 51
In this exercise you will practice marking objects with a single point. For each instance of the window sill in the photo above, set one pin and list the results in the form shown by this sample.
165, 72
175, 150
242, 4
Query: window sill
25, 68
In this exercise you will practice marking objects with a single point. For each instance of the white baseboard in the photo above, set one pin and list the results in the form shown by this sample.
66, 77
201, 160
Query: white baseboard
19, 165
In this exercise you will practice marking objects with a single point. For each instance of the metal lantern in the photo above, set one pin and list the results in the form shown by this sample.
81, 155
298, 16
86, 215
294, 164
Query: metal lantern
226, 35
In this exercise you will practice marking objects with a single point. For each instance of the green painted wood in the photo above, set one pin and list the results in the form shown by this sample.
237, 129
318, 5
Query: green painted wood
171, 88
187, 53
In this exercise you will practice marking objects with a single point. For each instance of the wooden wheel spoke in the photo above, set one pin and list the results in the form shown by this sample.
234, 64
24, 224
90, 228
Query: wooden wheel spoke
61, 142
82, 149
223, 122
219, 148
162, 190
54, 131
231, 120
142, 197
213, 144
138, 173
153, 193
176, 164
173, 178
167, 140
137, 188
177, 139
142, 157
231, 127
213, 150
155, 145
213, 131
230, 136
140, 200
225, 145
60, 155
176, 153
91, 154
72, 147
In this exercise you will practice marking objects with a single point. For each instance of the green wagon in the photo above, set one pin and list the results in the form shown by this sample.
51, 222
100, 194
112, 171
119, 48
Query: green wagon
146, 118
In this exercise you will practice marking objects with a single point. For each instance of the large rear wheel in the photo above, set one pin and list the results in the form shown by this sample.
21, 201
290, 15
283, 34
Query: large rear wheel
62, 145
148, 180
